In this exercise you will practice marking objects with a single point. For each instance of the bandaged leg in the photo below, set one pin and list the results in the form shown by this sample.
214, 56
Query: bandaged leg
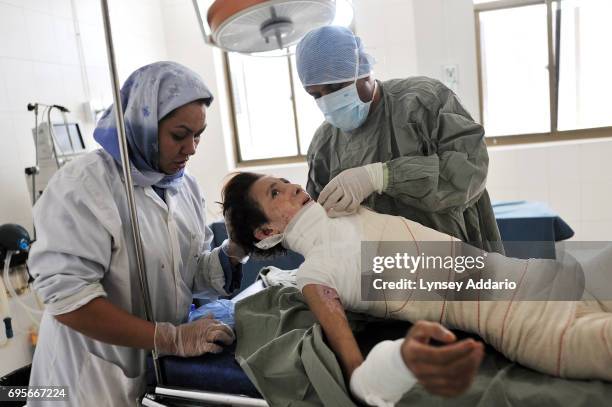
558, 334
586, 344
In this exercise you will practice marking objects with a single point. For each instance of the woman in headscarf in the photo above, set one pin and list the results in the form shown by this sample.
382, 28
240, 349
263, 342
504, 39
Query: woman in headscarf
93, 335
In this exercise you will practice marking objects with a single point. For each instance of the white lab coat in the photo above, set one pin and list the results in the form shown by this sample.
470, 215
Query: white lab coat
85, 250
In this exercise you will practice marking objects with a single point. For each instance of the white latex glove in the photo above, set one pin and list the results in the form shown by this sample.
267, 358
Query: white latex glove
383, 378
343, 194
192, 339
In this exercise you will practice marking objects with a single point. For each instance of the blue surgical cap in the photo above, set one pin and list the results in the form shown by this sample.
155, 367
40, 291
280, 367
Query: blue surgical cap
327, 55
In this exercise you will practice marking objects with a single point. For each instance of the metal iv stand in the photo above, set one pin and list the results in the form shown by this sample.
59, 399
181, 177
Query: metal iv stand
127, 175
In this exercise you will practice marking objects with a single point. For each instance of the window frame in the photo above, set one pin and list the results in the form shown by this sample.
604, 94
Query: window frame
532, 138
239, 161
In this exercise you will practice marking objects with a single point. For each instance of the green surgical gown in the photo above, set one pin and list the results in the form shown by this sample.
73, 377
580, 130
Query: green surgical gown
436, 159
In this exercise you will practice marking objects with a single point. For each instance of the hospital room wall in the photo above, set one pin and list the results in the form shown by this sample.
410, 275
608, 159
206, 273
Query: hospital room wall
39, 61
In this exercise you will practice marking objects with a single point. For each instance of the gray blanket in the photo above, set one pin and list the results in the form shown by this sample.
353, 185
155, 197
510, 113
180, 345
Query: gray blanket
282, 349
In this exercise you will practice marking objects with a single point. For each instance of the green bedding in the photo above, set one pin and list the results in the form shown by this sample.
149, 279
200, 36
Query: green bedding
282, 350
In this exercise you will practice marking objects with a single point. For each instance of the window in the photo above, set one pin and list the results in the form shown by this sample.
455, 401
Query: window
542, 66
274, 117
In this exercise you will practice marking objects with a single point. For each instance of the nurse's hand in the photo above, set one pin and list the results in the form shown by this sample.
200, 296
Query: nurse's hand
193, 339
446, 370
343, 194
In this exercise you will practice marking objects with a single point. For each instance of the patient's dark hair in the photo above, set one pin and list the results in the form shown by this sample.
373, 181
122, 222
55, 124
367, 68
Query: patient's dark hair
243, 215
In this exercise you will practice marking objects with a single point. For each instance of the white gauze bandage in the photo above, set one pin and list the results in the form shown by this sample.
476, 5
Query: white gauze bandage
383, 378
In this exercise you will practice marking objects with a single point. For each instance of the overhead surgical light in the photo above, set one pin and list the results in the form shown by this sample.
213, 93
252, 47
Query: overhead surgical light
260, 26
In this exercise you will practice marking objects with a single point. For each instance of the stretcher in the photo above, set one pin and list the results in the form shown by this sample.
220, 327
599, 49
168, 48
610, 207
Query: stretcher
207, 379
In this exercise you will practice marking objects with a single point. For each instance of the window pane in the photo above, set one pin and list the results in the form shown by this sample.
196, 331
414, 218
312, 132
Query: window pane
514, 49
263, 108
309, 115
585, 61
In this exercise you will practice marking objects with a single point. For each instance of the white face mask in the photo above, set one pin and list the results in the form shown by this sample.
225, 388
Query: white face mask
269, 242
344, 109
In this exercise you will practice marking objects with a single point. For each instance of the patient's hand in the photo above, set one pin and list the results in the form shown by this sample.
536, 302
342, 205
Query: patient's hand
442, 370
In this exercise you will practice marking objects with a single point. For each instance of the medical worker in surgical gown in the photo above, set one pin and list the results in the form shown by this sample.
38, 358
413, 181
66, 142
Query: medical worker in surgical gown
409, 140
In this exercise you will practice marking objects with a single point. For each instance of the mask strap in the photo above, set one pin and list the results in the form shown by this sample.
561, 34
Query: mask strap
356, 59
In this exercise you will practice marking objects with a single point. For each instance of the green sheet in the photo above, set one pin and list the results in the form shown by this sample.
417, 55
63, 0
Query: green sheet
282, 350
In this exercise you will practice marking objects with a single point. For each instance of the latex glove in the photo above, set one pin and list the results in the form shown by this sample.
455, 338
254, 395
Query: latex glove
343, 194
383, 378
192, 339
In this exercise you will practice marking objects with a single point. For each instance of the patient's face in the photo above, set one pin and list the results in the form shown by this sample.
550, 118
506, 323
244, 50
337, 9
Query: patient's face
280, 201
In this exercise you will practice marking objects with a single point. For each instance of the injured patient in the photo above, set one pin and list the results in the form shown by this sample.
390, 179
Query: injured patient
538, 323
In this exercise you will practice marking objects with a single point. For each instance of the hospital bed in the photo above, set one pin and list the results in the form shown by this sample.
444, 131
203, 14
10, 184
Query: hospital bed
218, 379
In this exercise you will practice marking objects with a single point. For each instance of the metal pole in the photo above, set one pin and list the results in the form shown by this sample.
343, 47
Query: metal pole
54, 148
36, 153
125, 163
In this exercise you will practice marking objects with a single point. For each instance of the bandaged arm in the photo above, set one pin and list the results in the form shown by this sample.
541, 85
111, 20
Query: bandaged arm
383, 377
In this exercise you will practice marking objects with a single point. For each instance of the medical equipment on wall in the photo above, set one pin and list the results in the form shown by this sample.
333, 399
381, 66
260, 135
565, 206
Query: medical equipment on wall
14, 246
55, 144
255, 26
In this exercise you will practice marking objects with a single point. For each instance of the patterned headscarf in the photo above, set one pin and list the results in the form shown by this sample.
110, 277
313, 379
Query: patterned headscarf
148, 95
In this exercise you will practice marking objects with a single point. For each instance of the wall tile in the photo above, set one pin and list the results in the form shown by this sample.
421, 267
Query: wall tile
503, 169
4, 100
15, 204
537, 193
531, 167
503, 194
596, 161
21, 89
564, 163
61, 8
43, 6
596, 201
23, 139
43, 42
89, 11
596, 231
47, 82
66, 41
72, 83
565, 199
14, 39
94, 46
7, 135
